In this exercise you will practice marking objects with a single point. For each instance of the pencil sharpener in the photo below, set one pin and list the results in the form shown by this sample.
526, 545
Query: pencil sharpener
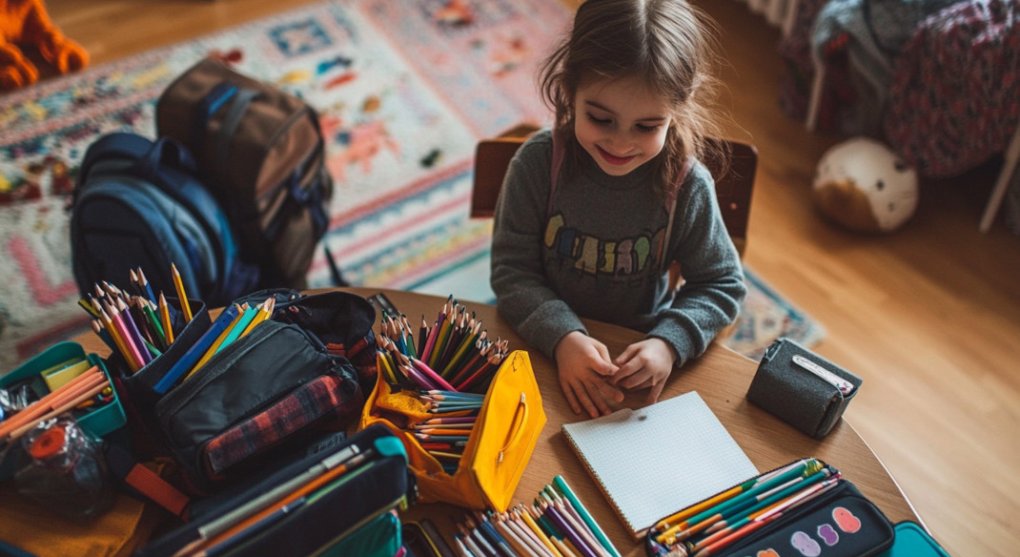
802, 388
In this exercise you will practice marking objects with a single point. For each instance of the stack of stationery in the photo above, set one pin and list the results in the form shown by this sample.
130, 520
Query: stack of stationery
556, 524
454, 354
715, 523
137, 326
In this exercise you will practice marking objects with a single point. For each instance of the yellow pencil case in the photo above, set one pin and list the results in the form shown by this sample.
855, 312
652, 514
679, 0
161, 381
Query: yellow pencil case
497, 451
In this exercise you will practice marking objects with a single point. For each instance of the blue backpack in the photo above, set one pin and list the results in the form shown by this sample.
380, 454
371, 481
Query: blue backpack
138, 203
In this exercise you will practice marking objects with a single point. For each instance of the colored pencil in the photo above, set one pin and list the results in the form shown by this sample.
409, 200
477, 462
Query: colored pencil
214, 347
164, 315
561, 485
147, 289
182, 294
191, 357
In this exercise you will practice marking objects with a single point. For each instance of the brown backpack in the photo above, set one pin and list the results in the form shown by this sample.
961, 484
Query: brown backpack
260, 151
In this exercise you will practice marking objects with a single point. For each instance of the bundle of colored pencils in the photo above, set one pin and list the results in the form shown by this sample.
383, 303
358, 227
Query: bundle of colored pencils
719, 521
72, 394
453, 355
137, 326
449, 369
555, 525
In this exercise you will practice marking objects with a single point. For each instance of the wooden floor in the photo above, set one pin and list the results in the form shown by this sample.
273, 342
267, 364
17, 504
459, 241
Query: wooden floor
929, 316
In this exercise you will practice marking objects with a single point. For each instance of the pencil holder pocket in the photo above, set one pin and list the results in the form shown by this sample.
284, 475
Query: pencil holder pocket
137, 389
802, 388
141, 385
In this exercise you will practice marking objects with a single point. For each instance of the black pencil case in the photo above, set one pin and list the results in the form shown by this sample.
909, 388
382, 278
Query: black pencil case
254, 395
840, 522
351, 515
802, 388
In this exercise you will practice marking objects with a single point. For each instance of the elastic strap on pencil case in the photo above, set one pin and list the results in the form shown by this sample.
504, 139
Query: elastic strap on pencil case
146, 482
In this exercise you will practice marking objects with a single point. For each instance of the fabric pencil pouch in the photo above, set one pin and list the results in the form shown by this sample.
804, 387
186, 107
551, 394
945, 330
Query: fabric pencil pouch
254, 395
347, 514
802, 388
497, 451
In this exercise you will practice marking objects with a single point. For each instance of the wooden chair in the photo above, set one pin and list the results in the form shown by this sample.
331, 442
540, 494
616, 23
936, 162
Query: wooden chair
733, 185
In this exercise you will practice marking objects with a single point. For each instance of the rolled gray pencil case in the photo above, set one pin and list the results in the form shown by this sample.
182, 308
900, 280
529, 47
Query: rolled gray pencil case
802, 388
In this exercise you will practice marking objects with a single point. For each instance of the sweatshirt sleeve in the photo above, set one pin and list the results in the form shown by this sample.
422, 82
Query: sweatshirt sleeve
523, 295
713, 279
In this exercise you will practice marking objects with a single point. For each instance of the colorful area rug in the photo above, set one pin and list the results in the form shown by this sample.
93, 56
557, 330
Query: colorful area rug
404, 95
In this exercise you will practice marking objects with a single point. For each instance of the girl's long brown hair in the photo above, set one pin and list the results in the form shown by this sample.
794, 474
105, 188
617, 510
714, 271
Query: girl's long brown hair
666, 43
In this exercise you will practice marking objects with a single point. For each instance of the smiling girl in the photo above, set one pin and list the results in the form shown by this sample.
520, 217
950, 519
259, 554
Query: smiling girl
593, 212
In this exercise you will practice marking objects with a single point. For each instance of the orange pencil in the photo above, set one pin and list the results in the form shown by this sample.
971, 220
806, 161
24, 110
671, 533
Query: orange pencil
71, 403
77, 385
311, 486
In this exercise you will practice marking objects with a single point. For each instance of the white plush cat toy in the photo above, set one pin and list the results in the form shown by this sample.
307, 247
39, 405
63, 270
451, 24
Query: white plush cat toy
862, 185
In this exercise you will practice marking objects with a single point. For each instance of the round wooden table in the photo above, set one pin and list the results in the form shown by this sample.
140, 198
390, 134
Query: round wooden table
720, 376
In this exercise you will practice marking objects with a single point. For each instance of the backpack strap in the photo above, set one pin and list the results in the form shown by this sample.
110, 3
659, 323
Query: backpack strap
558, 154
230, 124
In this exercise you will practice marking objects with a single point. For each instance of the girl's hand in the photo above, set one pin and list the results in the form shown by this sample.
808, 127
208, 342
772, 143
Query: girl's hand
584, 366
645, 364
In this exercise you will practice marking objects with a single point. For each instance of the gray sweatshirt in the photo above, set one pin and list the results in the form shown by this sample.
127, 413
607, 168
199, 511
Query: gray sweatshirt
596, 254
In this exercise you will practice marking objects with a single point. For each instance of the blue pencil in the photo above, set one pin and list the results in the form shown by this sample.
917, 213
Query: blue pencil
191, 357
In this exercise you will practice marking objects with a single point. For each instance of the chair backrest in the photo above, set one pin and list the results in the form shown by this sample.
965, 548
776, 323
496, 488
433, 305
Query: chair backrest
733, 183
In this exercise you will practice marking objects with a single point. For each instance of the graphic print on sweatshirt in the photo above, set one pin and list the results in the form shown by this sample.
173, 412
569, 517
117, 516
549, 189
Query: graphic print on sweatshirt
603, 257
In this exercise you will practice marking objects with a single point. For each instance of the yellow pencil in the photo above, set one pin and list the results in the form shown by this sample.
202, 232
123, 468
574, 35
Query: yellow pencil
562, 547
216, 344
181, 293
87, 306
265, 312
526, 517
164, 315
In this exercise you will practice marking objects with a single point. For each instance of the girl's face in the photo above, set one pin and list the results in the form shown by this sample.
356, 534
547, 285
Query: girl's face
621, 123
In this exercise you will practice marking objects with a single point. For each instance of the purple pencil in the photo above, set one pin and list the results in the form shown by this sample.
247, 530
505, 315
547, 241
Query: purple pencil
561, 522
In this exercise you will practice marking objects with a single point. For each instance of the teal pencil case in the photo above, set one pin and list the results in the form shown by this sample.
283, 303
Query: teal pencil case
98, 420
913, 541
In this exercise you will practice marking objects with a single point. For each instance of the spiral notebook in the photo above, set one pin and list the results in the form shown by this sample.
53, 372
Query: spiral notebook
656, 460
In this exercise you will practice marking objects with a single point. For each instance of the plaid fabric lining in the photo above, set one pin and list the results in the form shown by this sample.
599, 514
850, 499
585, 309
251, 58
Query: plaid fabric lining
306, 404
362, 358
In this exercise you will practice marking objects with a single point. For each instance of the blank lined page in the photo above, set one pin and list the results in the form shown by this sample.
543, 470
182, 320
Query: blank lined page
656, 460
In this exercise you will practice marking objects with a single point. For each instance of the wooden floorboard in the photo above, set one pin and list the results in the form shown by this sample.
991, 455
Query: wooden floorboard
928, 316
